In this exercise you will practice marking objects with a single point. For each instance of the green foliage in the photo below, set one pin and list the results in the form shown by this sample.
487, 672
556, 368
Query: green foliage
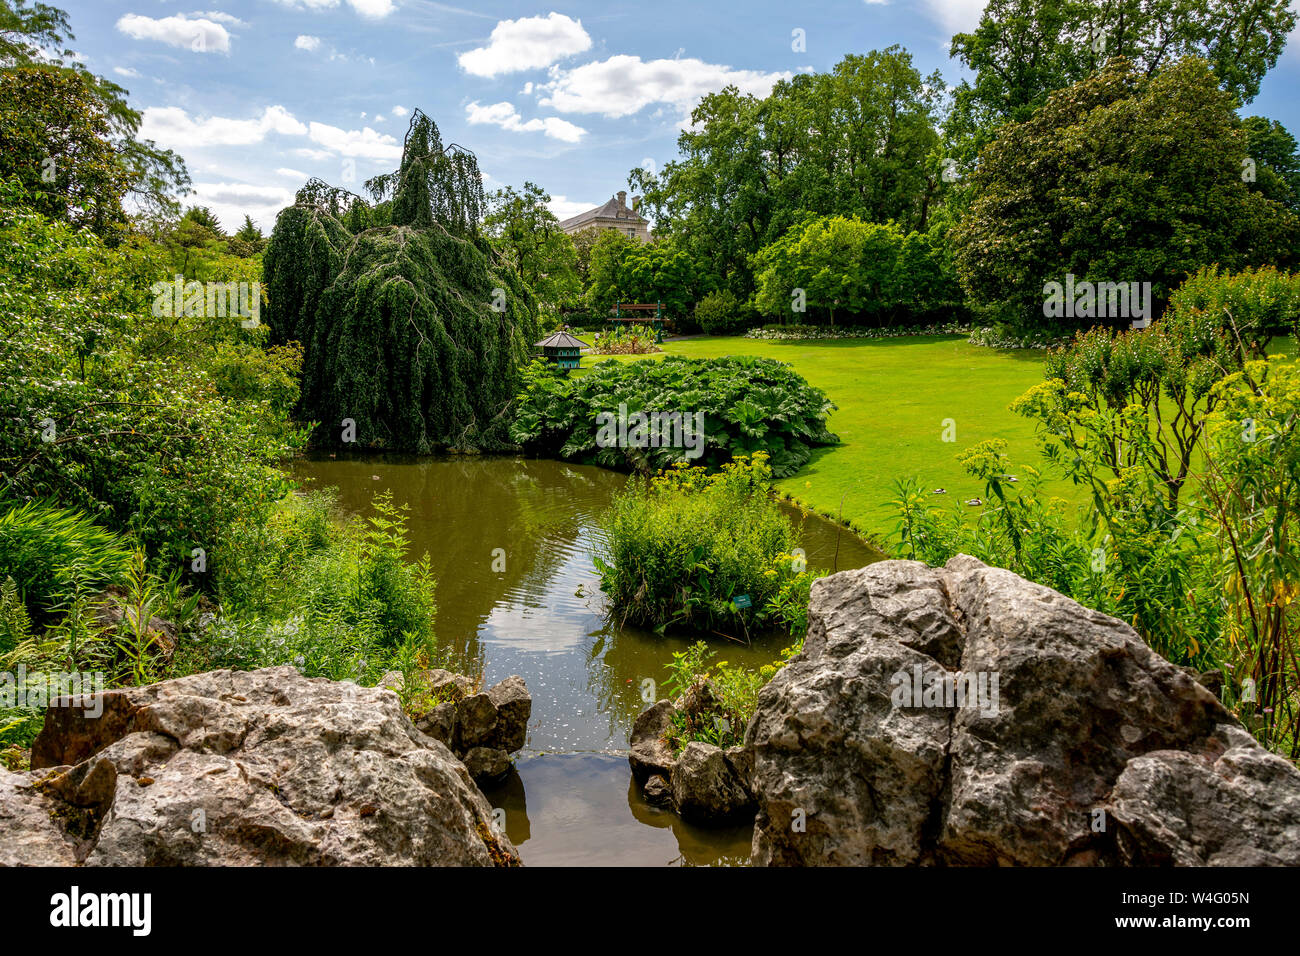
90, 132
679, 549
625, 340
855, 268
1022, 50
117, 410
1116, 405
1120, 177
334, 596
1277, 160
623, 269
750, 405
54, 140
51, 554
729, 692
722, 313
857, 141
1252, 489
398, 322
528, 236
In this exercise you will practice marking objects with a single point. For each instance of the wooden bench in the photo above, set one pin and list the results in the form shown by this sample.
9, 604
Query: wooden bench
638, 317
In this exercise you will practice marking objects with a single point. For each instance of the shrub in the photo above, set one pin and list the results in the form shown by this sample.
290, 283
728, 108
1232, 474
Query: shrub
748, 405
721, 313
625, 340
847, 267
699, 552
728, 693
53, 554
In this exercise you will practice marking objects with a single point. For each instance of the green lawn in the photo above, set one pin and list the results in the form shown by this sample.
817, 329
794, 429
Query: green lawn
893, 396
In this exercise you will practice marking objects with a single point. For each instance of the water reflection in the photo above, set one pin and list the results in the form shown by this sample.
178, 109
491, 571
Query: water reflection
583, 810
542, 617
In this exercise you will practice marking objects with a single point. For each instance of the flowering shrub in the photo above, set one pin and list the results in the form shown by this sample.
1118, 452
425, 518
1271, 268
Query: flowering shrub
627, 340
800, 333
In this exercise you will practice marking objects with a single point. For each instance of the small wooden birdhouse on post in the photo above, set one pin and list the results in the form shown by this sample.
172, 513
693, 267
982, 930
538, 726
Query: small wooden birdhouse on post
562, 350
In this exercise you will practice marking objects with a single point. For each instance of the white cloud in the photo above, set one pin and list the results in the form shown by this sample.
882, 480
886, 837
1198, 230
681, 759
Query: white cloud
374, 9
623, 84
958, 16
306, 42
126, 71
220, 17
528, 43
201, 35
507, 117
317, 154
566, 208
400, 111
291, 173
365, 143
171, 126
230, 202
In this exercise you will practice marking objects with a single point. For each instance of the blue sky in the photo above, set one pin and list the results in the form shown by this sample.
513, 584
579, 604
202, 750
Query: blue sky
257, 95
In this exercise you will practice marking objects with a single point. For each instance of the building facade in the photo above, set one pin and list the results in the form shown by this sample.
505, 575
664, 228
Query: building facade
615, 214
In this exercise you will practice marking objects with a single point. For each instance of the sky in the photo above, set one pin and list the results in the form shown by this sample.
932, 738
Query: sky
260, 95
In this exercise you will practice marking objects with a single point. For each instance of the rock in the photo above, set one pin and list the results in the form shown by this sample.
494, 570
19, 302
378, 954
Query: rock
705, 787
649, 753
487, 763
658, 792
257, 768
494, 721
497, 717
514, 706
32, 827
1078, 721
1182, 809
439, 723
741, 762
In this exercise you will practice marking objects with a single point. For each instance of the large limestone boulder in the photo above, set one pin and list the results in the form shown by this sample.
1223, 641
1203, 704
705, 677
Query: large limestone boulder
1075, 743
237, 768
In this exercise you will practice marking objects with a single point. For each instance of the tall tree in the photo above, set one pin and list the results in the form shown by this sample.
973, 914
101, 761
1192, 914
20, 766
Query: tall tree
1022, 50
35, 37
859, 140
528, 235
1123, 177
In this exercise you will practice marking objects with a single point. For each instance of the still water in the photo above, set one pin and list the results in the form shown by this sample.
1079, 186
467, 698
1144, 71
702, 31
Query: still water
570, 799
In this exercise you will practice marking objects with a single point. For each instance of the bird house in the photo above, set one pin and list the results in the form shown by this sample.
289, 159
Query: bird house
562, 350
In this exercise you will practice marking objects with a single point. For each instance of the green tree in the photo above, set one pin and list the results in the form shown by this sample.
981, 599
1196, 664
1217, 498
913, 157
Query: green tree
528, 235
1277, 160
843, 265
1121, 177
859, 140
1022, 50
35, 36
54, 140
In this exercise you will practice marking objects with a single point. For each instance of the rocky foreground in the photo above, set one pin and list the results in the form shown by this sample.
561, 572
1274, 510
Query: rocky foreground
1075, 743
233, 768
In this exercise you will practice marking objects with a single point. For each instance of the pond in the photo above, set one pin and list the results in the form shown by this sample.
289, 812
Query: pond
511, 542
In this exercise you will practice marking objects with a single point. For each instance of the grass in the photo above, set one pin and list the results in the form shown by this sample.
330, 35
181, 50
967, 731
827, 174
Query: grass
893, 396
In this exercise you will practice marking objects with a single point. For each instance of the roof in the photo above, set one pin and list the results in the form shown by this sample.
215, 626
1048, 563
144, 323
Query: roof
611, 210
561, 340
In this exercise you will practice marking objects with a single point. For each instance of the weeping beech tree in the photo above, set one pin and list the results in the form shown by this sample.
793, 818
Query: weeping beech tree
410, 325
